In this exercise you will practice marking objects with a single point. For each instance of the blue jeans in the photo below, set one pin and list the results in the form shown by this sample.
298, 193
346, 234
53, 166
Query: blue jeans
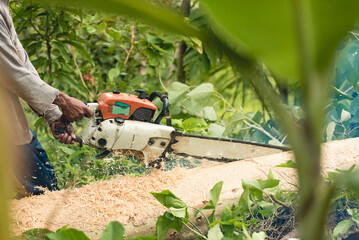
35, 171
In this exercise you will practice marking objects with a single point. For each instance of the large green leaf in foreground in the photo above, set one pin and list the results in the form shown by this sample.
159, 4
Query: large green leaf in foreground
287, 33
141, 9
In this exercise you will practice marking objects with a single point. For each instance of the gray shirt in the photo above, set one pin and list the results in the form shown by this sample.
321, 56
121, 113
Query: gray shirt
20, 79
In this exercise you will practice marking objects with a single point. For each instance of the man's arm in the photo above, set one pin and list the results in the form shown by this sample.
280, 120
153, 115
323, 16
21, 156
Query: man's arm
24, 82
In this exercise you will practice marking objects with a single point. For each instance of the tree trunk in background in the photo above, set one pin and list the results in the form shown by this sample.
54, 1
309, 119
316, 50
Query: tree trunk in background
181, 74
283, 90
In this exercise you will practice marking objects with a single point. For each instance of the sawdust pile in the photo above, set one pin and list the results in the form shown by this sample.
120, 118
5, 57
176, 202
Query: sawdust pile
128, 199
93, 206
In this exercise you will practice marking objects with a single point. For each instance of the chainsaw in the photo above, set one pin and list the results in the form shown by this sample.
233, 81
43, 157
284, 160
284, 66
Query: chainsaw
126, 121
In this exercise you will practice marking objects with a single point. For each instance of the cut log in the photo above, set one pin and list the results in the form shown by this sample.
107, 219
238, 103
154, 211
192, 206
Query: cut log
128, 200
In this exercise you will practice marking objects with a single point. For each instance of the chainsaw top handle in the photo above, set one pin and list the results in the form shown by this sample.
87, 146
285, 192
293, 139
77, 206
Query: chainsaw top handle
165, 111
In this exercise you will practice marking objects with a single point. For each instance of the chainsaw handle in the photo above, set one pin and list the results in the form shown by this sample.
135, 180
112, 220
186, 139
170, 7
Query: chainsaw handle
165, 111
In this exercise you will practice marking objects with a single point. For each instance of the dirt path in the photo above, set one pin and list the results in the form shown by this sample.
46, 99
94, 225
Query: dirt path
127, 199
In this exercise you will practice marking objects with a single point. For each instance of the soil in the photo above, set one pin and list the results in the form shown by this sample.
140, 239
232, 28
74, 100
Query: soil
128, 200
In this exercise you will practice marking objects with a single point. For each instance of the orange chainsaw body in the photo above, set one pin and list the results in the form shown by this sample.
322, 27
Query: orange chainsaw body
125, 106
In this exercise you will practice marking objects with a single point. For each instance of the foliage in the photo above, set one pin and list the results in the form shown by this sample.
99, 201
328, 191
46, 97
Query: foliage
254, 207
84, 53
343, 115
264, 211
267, 44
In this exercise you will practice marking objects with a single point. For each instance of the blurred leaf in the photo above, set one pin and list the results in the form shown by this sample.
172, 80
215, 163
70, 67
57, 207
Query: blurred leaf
216, 130
288, 164
141, 9
215, 233
330, 131
194, 125
35, 234
67, 150
259, 236
113, 231
113, 74
209, 113
342, 227
67, 234
62, 49
345, 116
81, 50
269, 29
201, 92
176, 91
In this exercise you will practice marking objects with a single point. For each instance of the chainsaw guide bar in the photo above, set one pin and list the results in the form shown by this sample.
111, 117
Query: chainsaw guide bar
220, 149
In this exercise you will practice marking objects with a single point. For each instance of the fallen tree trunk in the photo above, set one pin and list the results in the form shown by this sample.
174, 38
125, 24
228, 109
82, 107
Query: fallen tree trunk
128, 199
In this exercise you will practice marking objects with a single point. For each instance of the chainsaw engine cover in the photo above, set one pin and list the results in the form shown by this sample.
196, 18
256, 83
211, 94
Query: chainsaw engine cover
148, 138
125, 106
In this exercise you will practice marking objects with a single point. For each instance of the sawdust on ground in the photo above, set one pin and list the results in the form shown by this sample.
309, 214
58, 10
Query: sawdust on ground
127, 199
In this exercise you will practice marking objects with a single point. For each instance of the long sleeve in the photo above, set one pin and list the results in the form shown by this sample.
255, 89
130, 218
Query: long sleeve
23, 79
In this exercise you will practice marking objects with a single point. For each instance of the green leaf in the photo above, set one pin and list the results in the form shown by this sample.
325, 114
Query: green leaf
163, 225
342, 227
169, 200
60, 46
330, 131
36, 233
215, 233
67, 234
245, 203
67, 150
114, 230
214, 194
144, 238
271, 175
179, 212
209, 113
113, 74
176, 92
194, 125
141, 9
256, 186
259, 236
288, 164
201, 92
216, 130
269, 29
81, 50
345, 116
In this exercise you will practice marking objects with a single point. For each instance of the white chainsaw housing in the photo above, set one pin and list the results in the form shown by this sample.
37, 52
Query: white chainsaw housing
149, 138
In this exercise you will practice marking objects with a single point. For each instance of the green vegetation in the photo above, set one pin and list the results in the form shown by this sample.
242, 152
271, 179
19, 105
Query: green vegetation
264, 211
250, 70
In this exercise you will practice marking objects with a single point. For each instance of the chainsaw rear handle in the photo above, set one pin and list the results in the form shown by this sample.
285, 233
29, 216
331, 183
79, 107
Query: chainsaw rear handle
165, 111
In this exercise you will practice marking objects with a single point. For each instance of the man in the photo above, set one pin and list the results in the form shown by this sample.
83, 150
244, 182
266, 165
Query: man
22, 81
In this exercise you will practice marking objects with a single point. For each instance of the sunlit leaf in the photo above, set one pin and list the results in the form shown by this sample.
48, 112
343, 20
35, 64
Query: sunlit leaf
214, 193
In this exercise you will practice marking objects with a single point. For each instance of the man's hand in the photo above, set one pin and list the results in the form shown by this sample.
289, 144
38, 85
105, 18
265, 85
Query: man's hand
72, 108
63, 131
